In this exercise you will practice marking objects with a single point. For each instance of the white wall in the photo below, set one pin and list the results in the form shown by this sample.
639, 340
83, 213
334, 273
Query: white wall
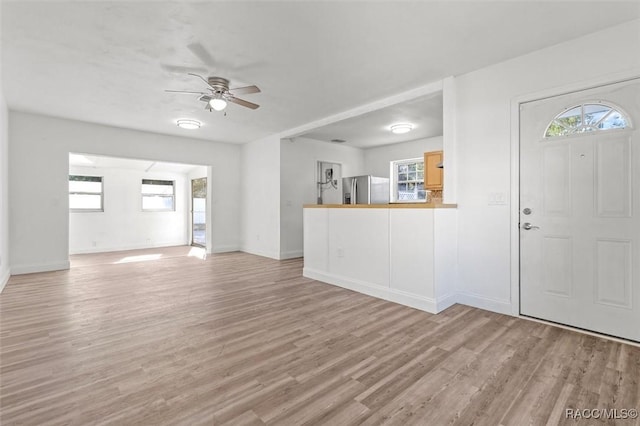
4, 184
123, 225
376, 160
484, 135
4, 194
298, 174
260, 188
39, 147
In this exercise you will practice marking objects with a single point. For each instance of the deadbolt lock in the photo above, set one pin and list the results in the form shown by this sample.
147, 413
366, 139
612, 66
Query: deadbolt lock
526, 211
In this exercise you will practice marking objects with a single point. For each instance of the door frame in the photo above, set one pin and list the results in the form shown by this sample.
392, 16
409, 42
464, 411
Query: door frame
516, 102
192, 212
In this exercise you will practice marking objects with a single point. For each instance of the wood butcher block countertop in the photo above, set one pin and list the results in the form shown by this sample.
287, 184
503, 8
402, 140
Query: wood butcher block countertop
382, 206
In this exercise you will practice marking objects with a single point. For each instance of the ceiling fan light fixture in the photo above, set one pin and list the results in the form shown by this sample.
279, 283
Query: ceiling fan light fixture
188, 124
401, 128
218, 104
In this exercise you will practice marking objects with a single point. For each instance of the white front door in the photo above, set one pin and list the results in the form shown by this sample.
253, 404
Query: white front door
580, 210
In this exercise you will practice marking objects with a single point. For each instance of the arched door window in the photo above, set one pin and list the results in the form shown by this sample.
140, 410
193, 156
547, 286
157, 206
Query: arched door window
587, 117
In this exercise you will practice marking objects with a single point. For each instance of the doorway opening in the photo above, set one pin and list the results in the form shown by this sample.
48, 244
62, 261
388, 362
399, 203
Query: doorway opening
122, 204
199, 212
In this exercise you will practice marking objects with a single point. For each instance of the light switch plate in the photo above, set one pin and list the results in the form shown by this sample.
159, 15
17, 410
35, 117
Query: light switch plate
497, 199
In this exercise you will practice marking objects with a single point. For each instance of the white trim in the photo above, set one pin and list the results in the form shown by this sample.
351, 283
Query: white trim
422, 303
514, 227
264, 253
291, 254
42, 267
224, 249
128, 247
593, 83
446, 301
486, 303
4, 278
449, 140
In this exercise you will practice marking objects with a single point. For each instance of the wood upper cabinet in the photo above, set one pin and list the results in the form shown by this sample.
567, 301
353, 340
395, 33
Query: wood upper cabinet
433, 176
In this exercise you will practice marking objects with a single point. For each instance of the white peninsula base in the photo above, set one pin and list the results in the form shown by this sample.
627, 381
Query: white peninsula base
404, 254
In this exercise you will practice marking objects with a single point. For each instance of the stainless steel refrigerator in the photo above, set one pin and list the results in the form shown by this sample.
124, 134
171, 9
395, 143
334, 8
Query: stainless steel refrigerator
365, 189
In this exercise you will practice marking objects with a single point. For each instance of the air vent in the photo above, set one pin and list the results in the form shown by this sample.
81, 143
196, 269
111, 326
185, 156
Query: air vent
338, 140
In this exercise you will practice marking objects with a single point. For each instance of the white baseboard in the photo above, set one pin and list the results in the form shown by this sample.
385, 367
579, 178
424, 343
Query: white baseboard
264, 253
41, 267
447, 301
292, 254
482, 302
4, 278
408, 299
224, 249
127, 247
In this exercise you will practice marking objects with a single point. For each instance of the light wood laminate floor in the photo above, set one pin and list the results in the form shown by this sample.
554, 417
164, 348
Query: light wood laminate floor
160, 337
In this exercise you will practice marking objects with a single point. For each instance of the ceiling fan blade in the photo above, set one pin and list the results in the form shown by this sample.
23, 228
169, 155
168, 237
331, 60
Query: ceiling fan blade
186, 92
244, 90
199, 50
200, 77
204, 98
182, 70
242, 102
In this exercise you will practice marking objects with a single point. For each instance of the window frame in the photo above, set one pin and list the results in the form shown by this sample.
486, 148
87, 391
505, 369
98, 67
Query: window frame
101, 193
593, 127
394, 180
148, 194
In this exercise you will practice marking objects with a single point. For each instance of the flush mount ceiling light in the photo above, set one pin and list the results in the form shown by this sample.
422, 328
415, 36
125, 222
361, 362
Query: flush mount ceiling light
401, 128
188, 124
218, 103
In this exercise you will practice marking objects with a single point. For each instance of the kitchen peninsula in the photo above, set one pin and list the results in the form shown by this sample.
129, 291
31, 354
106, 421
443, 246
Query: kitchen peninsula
404, 253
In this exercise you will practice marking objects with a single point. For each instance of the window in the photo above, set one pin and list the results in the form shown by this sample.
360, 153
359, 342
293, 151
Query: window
587, 117
407, 180
85, 193
157, 195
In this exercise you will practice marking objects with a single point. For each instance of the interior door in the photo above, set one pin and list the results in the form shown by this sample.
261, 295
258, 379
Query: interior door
580, 212
199, 212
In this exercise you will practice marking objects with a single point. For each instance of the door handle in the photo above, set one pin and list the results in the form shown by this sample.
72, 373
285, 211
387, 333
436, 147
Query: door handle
527, 226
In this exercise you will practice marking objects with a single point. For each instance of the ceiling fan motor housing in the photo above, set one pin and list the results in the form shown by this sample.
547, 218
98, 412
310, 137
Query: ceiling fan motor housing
219, 84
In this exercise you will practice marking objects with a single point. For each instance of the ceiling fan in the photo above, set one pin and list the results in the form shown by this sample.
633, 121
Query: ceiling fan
220, 94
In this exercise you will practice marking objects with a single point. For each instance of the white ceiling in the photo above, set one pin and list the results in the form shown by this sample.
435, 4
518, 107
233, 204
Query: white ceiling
373, 128
103, 162
110, 62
